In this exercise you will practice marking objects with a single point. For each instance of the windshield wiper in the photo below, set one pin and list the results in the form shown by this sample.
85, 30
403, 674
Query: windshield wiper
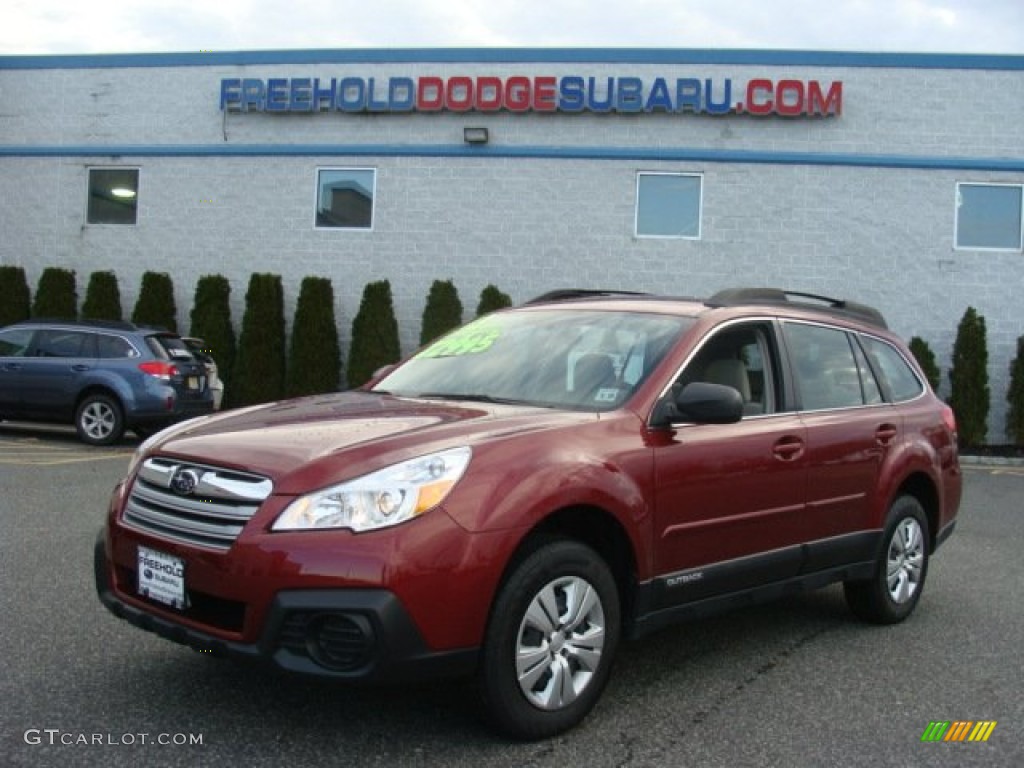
470, 396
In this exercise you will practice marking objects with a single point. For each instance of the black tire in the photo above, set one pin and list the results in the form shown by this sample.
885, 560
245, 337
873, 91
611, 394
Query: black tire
892, 592
99, 420
550, 643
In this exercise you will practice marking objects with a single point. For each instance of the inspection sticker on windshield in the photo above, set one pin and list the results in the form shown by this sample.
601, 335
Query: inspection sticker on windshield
162, 577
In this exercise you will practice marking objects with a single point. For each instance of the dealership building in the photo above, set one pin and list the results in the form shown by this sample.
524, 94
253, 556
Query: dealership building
891, 179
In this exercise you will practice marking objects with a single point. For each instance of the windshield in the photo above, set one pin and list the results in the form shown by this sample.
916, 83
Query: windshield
558, 358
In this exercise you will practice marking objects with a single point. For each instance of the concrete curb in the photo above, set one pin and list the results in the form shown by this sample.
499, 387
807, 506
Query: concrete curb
991, 461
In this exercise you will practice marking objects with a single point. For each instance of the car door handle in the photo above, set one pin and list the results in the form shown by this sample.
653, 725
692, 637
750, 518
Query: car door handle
12, 366
885, 434
788, 448
80, 368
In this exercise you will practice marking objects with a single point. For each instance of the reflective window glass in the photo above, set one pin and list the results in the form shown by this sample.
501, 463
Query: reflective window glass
344, 198
668, 205
988, 216
113, 195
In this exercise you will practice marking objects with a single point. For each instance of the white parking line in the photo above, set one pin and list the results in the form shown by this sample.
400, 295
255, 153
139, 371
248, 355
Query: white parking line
1017, 471
31, 453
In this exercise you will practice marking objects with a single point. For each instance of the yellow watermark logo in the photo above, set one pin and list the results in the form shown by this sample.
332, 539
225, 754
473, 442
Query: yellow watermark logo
958, 730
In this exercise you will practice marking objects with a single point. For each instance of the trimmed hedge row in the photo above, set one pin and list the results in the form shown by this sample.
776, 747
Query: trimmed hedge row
210, 320
15, 302
968, 378
374, 334
258, 369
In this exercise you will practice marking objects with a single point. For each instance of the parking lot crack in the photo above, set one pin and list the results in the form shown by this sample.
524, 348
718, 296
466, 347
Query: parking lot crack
767, 667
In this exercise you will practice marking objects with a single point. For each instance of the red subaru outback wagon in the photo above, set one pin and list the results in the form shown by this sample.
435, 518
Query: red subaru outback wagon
522, 494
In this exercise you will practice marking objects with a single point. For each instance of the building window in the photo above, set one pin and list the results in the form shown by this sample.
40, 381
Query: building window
988, 216
344, 198
668, 205
113, 196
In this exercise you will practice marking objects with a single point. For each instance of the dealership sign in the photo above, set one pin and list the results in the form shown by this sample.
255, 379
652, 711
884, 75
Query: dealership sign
570, 94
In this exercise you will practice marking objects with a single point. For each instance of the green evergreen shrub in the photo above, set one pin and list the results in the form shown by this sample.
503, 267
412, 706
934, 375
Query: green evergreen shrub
1015, 397
155, 306
259, 368
314, 357
210, 320
926, 359
56, 295
968, 378
442, 312
374, 334
102, 298
491, 299
15, 302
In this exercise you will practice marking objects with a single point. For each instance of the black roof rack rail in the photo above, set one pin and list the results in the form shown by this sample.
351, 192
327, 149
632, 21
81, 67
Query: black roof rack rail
734, 296
568, 294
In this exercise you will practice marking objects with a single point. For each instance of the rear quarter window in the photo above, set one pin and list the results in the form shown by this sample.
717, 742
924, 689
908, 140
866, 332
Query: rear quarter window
114, 347
902, 381
61, 343
169, 347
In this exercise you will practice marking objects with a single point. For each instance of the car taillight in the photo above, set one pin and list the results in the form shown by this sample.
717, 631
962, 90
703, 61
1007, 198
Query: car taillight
949, 418
159, 369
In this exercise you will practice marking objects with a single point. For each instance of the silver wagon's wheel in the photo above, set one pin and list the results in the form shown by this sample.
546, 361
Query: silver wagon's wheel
99, 420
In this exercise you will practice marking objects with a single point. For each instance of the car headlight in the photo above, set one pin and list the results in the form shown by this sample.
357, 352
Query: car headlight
387, 497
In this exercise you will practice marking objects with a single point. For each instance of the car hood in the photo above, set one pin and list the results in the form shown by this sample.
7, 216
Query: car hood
296, 443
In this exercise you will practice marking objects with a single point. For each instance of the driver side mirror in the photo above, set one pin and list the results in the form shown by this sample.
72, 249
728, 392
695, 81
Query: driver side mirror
699, 402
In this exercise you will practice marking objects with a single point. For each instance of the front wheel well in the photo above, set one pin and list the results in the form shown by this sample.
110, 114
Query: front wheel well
595, 528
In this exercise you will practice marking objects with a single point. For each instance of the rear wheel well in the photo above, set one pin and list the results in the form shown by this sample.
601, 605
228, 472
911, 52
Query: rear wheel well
923, 489
598, 530
97, 390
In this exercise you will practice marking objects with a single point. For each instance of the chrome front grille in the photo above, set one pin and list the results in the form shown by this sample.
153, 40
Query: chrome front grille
194, 503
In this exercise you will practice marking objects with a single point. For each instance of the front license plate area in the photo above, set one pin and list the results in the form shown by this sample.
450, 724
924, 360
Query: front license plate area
162, 577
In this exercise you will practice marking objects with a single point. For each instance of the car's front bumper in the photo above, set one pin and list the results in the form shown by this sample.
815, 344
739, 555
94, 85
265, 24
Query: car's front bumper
348, 634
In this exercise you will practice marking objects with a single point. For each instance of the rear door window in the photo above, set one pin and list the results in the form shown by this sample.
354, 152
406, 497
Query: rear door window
826, 369
14, 342
61, 343
872, 392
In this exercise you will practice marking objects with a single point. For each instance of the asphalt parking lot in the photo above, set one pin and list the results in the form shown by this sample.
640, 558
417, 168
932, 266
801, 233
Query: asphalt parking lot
794, 683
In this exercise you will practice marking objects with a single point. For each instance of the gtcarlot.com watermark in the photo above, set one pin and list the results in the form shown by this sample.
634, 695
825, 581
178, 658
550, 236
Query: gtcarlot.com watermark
55, 737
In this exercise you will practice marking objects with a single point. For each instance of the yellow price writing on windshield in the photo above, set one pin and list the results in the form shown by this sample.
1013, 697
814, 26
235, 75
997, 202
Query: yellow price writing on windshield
470, 340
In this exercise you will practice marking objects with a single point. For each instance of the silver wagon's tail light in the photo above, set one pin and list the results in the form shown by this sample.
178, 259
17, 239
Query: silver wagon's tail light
159, 369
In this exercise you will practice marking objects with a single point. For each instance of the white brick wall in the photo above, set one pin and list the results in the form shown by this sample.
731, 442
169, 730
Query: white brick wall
880, 235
